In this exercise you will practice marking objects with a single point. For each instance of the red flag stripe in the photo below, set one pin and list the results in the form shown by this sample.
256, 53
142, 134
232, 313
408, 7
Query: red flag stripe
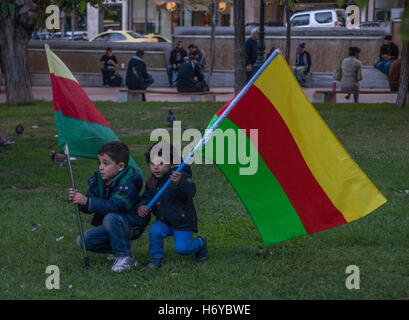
72, 101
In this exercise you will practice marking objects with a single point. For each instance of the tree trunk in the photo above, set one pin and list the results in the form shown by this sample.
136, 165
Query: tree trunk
239, 46
212, 13
404, 76
15, 33
404, 67
288, 35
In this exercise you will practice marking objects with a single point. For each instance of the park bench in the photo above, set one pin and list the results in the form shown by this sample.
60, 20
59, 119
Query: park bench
331, 95
126, 95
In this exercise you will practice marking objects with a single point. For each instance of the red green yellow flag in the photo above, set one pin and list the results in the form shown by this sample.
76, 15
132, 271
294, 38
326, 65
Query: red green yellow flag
306, 181
79, 123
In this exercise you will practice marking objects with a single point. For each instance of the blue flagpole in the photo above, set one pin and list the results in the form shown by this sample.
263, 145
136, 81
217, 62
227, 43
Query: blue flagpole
209, 132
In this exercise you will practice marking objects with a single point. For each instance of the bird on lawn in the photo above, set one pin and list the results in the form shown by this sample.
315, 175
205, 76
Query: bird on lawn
58, 158
19, 129
171, 118
4, 142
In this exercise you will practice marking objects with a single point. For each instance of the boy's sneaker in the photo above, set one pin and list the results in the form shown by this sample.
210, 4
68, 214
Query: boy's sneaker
154, 263
122, 263
111, 257
201, 255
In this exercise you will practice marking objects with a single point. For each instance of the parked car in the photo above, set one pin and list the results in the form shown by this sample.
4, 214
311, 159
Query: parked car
159, 37
78, 35
326, 18
126, 36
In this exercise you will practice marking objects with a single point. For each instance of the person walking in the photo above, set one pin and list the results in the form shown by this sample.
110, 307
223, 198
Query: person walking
351, 73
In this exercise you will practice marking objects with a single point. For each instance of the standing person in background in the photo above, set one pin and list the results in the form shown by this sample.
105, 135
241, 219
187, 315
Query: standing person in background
351, 72
251, 53
177, 56
109, 63
388, 53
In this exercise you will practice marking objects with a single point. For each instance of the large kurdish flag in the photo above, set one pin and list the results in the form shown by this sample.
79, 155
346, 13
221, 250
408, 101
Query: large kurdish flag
306, 181
79, 123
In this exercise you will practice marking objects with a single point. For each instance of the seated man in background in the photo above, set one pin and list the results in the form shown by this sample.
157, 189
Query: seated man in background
197, 55
109, 63
177, 56
190, 77
302, 64
137, 78
394, 75
388, 53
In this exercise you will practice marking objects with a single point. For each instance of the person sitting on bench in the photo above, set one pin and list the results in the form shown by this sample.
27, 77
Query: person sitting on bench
388, 53
137, 78
351, 73
190, 78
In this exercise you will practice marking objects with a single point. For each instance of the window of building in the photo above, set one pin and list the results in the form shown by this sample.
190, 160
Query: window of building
382, 14
323, 17
302, 20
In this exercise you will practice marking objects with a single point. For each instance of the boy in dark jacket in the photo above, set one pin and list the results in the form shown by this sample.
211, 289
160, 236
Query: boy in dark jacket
175, 212
113, 196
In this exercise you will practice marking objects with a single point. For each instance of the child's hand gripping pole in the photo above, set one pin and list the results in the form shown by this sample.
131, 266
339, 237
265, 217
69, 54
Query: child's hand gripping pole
67, 154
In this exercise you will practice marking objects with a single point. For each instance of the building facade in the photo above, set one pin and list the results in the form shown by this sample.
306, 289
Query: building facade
157, 16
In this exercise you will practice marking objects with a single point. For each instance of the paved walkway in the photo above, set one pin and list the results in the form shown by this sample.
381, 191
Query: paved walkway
110, 94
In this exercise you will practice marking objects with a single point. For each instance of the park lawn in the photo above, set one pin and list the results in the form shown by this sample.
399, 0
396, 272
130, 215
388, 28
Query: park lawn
33, 190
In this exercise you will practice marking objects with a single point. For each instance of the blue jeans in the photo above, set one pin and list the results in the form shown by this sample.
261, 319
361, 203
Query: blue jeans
355, 88
184, 242
384, 66
170, 71
112, 236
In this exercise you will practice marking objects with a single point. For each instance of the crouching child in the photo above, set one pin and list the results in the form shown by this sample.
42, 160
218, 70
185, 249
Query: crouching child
113, 197
175, 212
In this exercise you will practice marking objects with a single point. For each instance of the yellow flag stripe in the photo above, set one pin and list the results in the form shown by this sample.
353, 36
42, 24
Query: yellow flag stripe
347, 186
56, 66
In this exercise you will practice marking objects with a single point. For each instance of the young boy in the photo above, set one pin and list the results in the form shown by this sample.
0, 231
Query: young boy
175, 212
113, 196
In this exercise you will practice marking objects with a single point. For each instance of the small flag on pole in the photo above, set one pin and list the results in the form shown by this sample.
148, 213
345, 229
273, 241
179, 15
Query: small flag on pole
79, 123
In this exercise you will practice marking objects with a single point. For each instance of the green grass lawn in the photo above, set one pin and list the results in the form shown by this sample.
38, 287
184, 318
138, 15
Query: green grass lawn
33, 190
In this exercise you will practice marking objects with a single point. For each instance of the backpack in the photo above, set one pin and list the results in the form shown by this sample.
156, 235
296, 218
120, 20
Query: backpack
115, 80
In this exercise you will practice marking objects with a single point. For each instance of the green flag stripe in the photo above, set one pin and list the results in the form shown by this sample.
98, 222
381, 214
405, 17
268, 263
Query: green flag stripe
268, 205
85, 138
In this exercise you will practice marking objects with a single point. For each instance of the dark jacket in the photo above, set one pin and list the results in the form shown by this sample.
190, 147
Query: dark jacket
174, 58
251, 51
303, 59
200, 57
136, 74
120, 196
175, 207
391, 50
190, 78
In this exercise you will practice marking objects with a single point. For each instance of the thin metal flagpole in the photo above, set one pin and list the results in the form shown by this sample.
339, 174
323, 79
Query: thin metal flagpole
209, 132
67, 154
